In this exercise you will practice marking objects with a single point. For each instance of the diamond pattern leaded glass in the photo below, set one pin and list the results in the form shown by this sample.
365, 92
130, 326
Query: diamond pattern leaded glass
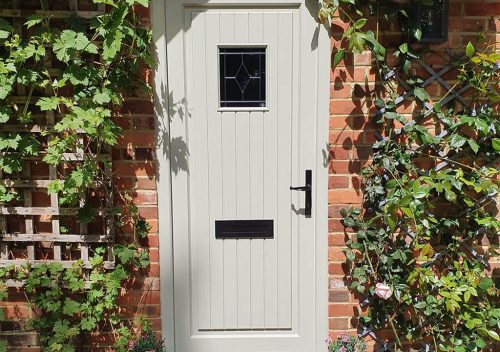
242, 77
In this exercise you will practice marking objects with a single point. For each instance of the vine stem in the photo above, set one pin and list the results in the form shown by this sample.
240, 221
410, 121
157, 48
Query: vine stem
435, 342
395, 333
368, 259
401, 186
26, 105
449, 160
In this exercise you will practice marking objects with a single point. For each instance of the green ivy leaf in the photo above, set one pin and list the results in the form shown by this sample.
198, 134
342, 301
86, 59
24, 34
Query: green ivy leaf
78, 177
125, 254
144, 3
55, 186
112, 45
6, 29
338, 57
102, 97
494, 335
417, 34
27, 77
4, 114
48, 103
419, 194
70, 43
473, 145
105, 2
6, 81
496, 144
34, 19
143, 259
421, 94
480, 343
457, 141
85, 214
469, 50
29, 145
88, 324
9, 141
360, 23
485, 283
403, 48
71, 307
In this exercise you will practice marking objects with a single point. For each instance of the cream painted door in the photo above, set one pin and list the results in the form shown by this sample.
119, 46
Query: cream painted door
243, 84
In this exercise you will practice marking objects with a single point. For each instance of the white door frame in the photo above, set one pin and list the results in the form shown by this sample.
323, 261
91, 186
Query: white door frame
320, 43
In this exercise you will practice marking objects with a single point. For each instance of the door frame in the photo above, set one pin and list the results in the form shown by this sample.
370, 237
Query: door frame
321, 44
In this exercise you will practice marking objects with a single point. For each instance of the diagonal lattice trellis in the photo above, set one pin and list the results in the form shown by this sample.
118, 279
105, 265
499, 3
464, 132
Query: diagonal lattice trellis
33, 232
453, 95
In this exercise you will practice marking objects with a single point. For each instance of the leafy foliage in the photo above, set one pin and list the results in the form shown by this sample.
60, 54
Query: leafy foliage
426, 233
98, 62
147, 343
73, 302
346, 343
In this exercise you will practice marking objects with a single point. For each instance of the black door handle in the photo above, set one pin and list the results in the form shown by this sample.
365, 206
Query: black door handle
308, 189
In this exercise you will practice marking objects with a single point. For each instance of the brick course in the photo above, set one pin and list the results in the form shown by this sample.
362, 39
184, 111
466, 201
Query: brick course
351, 132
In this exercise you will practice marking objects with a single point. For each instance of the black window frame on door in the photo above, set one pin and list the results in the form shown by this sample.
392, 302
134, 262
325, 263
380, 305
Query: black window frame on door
242, 76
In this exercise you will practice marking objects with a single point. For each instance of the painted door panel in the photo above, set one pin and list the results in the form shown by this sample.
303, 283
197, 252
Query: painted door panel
249, 294
224, 151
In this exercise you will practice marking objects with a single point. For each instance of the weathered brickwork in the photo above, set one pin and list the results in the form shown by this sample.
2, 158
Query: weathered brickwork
134, 169
352, 130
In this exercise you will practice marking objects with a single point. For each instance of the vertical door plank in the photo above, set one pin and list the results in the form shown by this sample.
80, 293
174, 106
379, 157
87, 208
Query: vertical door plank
227, 28
201, 217
297, 175
212, 23
284, 241
243, 190
243, 212
270, 172
194, 21
256, 34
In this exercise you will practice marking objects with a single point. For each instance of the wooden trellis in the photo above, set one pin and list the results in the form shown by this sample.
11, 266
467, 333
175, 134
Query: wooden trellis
22, 237
448, 157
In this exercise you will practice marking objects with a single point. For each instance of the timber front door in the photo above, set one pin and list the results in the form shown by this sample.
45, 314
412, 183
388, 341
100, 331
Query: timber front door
247, 182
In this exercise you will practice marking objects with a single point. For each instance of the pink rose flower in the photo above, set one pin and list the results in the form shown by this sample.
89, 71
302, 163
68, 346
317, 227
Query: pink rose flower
345, 338
131, 345
383, 291
329, 341
342, 349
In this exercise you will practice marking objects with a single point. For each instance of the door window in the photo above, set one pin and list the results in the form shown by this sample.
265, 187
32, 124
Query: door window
242, 77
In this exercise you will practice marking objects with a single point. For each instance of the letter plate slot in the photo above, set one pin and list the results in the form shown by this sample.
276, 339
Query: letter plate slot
244, 229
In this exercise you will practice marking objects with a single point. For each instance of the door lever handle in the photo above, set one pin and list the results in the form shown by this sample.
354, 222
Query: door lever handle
301, 188
308, 189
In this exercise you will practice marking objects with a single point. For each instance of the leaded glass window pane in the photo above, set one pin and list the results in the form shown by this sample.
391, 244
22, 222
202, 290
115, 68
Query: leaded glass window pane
242, 77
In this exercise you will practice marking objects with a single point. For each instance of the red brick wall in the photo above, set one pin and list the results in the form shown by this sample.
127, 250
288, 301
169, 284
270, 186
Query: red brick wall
351, 131
134, 168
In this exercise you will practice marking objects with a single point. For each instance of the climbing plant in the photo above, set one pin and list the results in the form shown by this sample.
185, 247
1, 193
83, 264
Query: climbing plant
419, 253
80, 70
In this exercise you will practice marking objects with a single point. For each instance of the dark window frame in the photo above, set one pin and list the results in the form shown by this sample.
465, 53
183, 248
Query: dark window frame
240, 75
